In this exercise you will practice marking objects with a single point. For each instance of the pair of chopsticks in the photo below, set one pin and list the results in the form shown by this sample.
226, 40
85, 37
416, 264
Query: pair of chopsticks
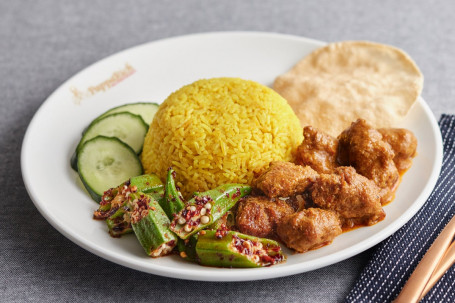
437, 260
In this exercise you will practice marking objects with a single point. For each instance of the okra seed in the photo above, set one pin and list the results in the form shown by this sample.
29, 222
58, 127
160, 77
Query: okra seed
203, 211
193, 208
187, 228
208, 206
205, 219
181, 221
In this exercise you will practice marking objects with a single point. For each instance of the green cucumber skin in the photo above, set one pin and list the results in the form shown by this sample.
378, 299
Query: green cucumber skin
147, 118
153, 230
73, 161
97, 121
129, 107
96, 196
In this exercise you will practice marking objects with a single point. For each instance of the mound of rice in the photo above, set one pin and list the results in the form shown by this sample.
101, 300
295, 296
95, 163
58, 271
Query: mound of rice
218, 131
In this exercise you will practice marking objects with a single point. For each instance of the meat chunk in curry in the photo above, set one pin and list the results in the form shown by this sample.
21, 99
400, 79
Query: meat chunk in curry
309, 229
362, 147
338, 183
404, 145
285, 179
318, 150
258, 215
355, 198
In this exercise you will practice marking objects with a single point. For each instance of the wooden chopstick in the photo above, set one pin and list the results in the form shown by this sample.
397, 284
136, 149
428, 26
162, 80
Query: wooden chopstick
447, 261
414, 287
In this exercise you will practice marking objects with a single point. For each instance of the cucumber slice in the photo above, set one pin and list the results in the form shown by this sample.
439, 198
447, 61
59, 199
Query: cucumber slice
105, 162
73, 160
146, 110
127, 127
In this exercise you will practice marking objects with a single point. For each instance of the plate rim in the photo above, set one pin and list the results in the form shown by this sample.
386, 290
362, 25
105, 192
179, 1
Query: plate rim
237, 274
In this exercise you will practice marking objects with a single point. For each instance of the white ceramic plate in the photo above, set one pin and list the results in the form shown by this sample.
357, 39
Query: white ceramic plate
151, 72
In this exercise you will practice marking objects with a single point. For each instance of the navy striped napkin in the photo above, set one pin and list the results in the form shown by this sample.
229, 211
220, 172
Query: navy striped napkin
396, 258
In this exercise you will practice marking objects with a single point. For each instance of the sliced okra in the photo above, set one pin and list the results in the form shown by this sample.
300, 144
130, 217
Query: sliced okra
114, 198
173, 198
187, 248
207, 207
109, 203
233, 249
228, 220
118, 223
151, 225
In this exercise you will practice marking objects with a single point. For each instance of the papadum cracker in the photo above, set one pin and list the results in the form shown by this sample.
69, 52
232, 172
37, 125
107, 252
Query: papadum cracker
338, 83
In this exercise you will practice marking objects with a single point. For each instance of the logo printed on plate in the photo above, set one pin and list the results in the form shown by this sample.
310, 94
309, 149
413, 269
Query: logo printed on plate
116, 77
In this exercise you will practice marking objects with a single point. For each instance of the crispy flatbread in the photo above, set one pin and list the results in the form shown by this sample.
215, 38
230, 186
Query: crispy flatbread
338, 83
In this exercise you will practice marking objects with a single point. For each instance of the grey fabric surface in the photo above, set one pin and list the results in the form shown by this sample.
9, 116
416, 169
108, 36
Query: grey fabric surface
43, 43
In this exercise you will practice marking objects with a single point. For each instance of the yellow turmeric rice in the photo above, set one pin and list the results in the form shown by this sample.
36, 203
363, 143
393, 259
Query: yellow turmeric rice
217, 131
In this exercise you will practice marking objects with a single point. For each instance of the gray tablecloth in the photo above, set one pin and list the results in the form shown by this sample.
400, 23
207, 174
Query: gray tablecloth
42, 43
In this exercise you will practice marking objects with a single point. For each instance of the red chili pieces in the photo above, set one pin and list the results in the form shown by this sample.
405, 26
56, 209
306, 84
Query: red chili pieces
236, 194
193, 214
256, 251
221, 231
140, 208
